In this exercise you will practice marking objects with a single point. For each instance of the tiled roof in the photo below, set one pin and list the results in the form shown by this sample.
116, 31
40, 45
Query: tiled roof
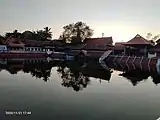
42, 43
19, 42
100, 41
138, 40
78, 46
158, 41
37, 43
14, 42
119, 46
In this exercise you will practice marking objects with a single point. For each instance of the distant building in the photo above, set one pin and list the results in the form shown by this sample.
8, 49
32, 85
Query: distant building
137, 46
102, 43
16, 44
3, 48
119, 48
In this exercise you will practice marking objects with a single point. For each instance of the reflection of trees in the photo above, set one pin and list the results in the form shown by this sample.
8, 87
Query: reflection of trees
38, 71
13, 70
41, 69
74, 79
76, 75
13, 67
73, 73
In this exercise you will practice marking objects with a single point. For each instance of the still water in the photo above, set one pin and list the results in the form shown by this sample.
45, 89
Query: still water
73, 91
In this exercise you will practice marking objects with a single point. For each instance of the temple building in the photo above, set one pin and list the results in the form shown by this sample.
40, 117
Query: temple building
103, 43
17, 45
137, 46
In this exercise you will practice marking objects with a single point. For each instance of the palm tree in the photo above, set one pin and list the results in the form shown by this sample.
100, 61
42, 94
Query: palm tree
45, 34
48, 33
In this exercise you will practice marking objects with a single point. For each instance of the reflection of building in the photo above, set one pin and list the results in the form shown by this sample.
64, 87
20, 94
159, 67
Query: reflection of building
77, 75
135, 76
156, 78
74, 74
39, 68
90, 69
3, 48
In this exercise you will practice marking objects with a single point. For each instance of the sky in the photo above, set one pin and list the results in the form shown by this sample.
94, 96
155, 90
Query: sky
121, 19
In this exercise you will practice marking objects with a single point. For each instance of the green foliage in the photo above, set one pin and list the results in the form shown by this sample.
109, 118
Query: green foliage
76, 32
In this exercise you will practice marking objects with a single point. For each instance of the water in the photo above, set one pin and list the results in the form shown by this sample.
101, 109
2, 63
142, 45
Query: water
74, 91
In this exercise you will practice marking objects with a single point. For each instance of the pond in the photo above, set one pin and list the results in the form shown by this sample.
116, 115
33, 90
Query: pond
68, 90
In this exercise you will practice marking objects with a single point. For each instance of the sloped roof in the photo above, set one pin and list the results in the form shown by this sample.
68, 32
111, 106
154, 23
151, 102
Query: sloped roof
37, 43
14, 42
100, 41
158, 41
155, 48
138, 40
119, 46
42, 43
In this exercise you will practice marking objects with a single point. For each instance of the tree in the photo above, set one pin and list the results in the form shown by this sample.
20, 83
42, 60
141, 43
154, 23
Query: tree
152, 38
149, 35
1, 39
15, 34
27, 35
73, 78
45, 34
76, 32
48, 33
156, 37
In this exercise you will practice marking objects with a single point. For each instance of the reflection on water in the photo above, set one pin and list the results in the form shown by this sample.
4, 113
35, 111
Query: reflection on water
74, 79
103, 94
74, 74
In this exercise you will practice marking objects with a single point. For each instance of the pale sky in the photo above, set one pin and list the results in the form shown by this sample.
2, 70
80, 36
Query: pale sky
121, 19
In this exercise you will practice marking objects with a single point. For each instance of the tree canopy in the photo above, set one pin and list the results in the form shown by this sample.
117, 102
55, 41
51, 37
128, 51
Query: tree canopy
151, 37
15, 34
76, 32
44, 34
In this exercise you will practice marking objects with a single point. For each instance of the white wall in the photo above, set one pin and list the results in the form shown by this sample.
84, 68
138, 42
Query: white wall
151, 55
3, 48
